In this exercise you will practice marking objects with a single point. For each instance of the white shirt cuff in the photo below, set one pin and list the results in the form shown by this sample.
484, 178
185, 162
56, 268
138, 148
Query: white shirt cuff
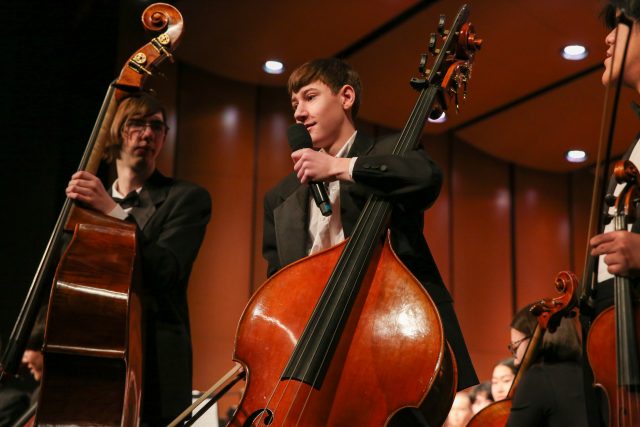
118, 212
352, 163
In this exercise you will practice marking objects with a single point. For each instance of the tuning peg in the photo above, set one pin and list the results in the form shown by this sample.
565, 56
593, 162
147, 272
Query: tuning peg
423, 64
441, 29
433, 39
610, 200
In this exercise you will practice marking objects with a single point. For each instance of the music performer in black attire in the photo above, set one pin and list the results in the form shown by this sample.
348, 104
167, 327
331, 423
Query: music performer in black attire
171, 217
550, 392
325, 96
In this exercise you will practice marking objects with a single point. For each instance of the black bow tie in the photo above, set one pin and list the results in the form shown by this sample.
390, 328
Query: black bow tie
131, 200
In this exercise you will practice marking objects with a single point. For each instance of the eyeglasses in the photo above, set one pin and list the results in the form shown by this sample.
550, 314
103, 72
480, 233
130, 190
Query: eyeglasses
513, 346
137, 126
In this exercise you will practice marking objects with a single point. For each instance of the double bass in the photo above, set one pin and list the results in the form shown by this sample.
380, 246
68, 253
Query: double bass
92, 373
348, 336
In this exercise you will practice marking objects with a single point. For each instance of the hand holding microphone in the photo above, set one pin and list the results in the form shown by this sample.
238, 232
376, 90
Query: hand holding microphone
299, 138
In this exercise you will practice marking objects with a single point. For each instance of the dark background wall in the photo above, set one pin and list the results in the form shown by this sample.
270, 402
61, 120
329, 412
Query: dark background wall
57, 62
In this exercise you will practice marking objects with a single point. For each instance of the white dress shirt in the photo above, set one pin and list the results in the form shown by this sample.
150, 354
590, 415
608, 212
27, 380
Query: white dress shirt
603, 274
326, 231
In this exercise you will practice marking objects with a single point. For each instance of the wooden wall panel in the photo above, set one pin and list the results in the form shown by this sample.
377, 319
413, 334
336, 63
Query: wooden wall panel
216, 141
273, 162
481, 253
437, 220
581, 193
542, 233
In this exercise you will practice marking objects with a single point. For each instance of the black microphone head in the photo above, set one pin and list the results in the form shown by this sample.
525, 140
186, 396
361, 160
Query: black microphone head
299, 137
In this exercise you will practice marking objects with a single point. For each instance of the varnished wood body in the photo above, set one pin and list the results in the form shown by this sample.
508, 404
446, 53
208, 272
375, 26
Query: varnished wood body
93, 348
623, 402
385, 359
493, 415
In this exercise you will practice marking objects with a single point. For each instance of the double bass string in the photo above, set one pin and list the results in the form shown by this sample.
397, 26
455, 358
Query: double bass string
375, 212
376, 209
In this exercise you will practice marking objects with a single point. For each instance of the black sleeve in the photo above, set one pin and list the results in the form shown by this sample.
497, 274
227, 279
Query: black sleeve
269, 244
167, 260
412, 180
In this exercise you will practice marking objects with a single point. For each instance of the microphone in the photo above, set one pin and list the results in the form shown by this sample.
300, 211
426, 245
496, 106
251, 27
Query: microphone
299, 138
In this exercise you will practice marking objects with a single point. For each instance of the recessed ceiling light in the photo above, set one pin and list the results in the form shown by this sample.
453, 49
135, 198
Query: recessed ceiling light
576, 156
574, 52
441, 119
273, 67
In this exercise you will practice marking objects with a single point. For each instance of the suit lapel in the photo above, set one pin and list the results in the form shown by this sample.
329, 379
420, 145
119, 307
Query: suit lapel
291, 226
349, 211
362, 145
153, 194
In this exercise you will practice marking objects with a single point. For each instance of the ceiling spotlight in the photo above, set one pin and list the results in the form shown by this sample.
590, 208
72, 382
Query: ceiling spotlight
273, 67
574, 52
576, 156
441, 119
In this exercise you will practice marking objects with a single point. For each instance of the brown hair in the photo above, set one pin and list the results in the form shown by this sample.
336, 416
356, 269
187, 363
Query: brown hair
509, 362
524, 321
333, 72
630, 7
138, 105
561, 345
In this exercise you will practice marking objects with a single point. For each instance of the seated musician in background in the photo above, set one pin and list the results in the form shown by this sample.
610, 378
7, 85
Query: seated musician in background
171, 216
325, 97
480, 396
460, 412
19, 394
502, 377
550, 392
523, 326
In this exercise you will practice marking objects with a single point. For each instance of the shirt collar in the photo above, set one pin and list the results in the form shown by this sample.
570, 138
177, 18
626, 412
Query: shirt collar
347, 146
116, 193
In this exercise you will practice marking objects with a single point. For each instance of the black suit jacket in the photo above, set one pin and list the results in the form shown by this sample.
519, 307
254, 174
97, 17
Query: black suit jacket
171, 221
412, 183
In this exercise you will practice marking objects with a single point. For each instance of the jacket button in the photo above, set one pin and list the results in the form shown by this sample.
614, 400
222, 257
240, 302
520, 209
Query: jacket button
383, 168
366, 166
